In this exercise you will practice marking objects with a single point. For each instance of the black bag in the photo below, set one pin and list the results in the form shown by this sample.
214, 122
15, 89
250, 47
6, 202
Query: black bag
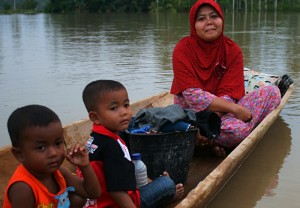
283, 83
209, 124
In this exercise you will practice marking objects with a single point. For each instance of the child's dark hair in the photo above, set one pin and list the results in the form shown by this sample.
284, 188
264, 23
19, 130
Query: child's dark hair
28, 116
92, 93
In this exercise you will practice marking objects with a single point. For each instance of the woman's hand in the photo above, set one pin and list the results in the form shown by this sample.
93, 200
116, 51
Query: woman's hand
221, 106
242, 113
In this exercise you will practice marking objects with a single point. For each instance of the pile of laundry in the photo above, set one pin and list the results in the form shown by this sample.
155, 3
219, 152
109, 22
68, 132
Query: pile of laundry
175, 118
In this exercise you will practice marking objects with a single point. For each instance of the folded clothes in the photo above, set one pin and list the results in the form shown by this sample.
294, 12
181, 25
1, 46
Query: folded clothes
175, 118
159, 116
283, 83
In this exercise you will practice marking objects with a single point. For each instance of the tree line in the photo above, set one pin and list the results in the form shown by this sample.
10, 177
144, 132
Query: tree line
93, 6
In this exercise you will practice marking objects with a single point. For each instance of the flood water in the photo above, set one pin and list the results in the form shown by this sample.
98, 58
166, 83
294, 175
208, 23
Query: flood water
48, 59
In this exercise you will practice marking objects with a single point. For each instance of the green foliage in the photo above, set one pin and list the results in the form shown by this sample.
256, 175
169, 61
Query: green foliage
29, 4
171, 5
57, 6
7, 7
98, 5
262, 5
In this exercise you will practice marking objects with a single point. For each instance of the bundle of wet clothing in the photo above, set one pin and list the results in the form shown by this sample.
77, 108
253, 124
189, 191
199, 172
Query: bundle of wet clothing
175, 118
283, 83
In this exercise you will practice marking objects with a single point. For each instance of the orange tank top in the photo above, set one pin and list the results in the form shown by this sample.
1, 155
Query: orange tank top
43, 198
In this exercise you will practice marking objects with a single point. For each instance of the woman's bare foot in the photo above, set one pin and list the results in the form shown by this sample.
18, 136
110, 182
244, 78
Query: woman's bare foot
219, 151
202, 141
179, 189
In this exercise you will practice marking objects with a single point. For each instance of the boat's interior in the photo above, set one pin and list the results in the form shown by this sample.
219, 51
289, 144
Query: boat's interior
203, 164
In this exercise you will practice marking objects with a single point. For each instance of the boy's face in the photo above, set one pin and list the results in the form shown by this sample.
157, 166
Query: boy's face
42, 149
113, 111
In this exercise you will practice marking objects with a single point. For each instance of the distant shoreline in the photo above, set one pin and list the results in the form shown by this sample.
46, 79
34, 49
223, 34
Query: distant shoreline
20, 12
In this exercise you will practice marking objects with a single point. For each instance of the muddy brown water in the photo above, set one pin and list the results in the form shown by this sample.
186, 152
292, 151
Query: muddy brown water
48, 59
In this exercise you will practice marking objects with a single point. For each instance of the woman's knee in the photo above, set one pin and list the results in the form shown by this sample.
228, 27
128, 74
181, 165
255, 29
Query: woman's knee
274, 94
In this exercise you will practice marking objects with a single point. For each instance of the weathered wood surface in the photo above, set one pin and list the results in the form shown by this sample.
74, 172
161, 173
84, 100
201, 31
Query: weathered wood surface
213, 183
207, 174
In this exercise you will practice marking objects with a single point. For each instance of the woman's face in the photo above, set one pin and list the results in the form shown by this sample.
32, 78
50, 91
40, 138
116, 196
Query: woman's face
208, 23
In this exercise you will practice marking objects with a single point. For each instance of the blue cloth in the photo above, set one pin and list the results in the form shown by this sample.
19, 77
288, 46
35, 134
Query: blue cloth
158, 193
144, 129
181, 126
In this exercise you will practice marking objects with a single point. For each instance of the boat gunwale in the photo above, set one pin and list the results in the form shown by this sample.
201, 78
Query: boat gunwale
209, 187
206, 189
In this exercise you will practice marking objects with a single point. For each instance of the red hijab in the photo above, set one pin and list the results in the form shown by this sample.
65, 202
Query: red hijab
215, 66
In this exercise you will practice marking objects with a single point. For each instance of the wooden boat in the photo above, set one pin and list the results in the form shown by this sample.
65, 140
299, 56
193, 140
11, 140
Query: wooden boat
207, 174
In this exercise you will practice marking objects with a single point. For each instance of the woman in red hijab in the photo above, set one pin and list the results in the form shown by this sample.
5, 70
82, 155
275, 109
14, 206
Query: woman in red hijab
209, 75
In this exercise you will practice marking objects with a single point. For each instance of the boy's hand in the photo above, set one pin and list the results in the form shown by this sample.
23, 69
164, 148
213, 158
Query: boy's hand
78, 155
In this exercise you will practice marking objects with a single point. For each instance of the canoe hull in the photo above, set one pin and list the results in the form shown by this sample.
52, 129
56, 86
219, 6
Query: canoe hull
207, 174
205, 191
